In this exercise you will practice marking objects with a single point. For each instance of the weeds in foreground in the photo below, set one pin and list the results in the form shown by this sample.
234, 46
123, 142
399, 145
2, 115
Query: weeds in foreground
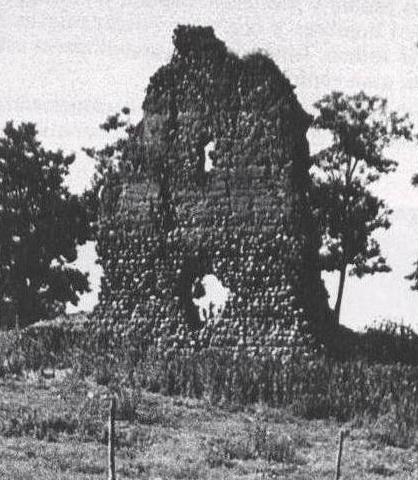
251, 445
392, 429
312, 387
42, 427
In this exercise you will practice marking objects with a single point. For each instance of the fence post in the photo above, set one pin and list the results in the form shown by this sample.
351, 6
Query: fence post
339, 454
17, 323
111, 440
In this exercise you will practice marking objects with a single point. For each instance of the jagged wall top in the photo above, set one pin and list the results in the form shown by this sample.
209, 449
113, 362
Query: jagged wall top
248, 220
194, 44
208, 93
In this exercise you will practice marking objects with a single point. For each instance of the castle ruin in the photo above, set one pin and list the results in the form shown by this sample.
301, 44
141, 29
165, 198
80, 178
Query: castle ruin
219, 184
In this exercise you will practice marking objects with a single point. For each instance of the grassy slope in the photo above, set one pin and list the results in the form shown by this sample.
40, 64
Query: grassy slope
177, 438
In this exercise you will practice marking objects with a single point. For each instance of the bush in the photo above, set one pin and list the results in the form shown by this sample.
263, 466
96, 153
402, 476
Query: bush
250, 445
390, 342
128, 401
395, 428
12, 359
47, 426
273, 448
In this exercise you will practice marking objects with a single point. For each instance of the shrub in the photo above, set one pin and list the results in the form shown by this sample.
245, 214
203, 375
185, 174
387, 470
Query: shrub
394, 429
128, 401
271, 447
41, 426
250, 445
11, 355
390, 342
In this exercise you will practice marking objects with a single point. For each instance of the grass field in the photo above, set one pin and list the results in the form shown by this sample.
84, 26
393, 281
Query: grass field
56, 429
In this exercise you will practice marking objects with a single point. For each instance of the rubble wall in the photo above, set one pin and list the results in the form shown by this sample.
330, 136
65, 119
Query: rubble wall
247, 220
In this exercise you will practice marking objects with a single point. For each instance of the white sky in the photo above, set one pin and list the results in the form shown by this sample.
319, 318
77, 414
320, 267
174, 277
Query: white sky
67, 65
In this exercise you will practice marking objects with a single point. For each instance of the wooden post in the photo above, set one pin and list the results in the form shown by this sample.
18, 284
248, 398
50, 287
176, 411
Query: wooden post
17, 319
340, 451
111, 441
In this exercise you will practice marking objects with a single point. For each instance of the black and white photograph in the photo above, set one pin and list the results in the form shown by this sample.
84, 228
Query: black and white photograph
208, 239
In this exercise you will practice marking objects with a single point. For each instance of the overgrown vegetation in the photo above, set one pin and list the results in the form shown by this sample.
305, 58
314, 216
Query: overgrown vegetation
312, 387
199, 440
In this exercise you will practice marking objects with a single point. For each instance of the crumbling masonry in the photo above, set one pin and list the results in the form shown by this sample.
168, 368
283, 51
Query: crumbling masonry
247, 220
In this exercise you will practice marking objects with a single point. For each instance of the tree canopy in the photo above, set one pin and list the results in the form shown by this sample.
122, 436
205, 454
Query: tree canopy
348, 210
41, 225
413, 276
111, 162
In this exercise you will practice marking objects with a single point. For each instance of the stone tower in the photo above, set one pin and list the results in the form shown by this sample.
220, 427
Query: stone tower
247, 219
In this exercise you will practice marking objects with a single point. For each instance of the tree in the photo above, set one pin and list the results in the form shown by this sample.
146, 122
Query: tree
41, 225
348, 211
413, 276
112, 161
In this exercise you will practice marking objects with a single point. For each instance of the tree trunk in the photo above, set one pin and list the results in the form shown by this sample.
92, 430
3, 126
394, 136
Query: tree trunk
337, 308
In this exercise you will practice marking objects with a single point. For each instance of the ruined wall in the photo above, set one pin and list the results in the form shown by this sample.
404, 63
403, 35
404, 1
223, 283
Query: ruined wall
247, 220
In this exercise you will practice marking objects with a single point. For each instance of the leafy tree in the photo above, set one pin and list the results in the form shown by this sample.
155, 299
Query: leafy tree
414, 275
112, 161
41, 224
348, 211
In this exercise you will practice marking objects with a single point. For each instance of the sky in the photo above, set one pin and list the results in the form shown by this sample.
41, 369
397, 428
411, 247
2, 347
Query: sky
67, 65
